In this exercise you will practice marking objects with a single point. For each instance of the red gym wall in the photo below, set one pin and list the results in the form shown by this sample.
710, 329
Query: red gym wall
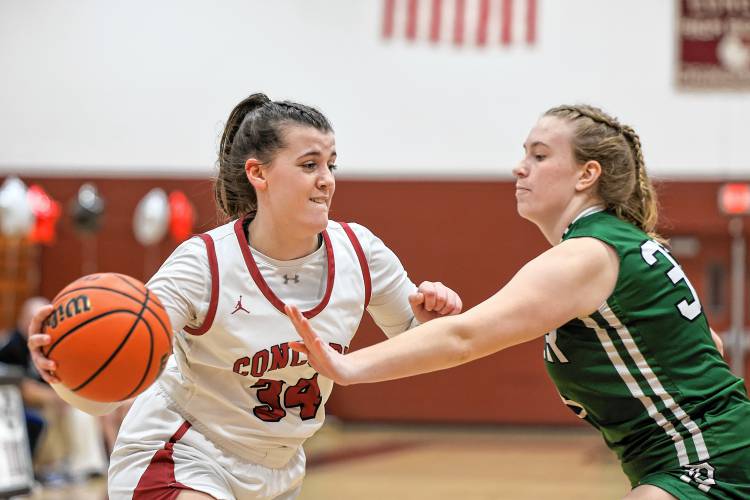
464, 233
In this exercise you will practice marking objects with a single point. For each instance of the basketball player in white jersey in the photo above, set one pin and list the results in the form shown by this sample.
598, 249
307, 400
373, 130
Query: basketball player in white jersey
228, 416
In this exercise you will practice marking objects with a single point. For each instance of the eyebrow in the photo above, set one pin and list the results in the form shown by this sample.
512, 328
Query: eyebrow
535, 143
314, 152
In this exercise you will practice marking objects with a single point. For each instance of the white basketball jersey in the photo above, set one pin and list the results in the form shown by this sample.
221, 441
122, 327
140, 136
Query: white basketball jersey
235, 377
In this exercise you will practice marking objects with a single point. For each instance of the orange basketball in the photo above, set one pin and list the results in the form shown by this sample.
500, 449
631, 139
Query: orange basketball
111, 337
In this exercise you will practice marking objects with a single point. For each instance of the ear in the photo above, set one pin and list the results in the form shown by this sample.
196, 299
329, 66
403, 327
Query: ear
255, 174
588, 174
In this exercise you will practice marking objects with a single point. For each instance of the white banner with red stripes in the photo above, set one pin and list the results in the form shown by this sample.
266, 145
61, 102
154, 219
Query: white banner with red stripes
481, 23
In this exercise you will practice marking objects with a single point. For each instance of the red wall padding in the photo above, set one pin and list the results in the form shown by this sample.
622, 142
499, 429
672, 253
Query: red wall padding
464, 233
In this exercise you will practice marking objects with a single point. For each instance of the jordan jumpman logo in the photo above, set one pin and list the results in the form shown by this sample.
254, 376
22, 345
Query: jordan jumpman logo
239, 306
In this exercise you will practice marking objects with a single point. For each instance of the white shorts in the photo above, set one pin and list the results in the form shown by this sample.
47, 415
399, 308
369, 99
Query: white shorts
158, 454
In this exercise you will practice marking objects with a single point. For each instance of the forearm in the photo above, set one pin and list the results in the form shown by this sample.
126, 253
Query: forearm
391, 312
436, 345
527, 307
504, 320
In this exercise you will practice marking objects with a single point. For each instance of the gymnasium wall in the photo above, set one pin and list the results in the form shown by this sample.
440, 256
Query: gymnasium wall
142, 87
464, 233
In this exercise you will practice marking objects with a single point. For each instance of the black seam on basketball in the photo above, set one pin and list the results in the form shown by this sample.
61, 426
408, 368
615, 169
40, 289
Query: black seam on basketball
150, 352
113, 290
79, 326
116, 351
124, 295
150, 358
167, 331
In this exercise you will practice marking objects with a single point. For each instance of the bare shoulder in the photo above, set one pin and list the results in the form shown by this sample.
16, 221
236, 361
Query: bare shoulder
570, 280
583, 269
588, 252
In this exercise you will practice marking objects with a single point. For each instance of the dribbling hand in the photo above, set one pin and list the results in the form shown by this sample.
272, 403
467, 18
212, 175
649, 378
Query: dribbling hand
46, 367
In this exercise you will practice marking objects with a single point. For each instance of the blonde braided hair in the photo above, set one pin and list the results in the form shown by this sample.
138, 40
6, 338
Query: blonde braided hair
624, 185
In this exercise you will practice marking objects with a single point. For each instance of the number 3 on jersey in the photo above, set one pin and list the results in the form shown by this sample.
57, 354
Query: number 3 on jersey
690, 309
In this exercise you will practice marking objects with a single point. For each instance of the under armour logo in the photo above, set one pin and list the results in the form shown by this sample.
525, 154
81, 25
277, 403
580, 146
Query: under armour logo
239, 307
287, 279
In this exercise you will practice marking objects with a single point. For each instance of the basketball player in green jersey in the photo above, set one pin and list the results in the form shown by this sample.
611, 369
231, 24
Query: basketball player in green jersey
627, 342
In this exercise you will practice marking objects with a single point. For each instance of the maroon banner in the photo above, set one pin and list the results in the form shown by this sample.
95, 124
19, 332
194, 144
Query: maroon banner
713, 44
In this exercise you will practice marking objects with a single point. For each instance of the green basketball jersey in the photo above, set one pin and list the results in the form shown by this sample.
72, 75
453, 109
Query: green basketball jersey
643, 368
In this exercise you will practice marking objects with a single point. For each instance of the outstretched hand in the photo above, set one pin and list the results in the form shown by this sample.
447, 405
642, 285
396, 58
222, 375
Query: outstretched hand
433, 299
322, 357
46, 367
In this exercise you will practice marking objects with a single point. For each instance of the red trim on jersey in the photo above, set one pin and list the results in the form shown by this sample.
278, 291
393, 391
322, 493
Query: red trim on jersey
252, 267
158, 480
362, 261
214, 300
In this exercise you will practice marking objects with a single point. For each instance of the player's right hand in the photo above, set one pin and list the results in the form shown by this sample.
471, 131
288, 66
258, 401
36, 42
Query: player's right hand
46, 367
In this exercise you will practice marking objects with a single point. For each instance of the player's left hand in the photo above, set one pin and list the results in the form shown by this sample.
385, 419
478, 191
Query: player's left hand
433, 299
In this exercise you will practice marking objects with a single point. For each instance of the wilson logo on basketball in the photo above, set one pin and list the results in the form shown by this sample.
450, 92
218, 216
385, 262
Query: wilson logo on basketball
110, 337
71, 308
